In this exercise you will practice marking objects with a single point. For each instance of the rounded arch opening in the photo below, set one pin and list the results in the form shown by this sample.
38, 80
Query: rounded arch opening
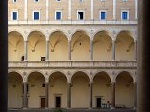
80, 46
15, 46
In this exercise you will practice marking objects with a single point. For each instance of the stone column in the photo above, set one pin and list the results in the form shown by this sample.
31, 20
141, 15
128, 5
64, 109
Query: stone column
69, 50
47, 50
69, 95
135, 95
91, 50
113, 50
4, 56
143, 65
91, 94
135, 50
46, 94
112, 95
25, 97
25, 50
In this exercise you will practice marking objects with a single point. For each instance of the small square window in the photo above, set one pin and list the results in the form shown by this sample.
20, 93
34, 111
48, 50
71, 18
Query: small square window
80, 15
58, 0
36, 0
125, 15
58, 15
103, 15
14, 1
14, 15
36, 15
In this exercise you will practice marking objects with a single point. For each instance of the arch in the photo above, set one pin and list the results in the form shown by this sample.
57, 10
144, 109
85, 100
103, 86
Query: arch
105, 73
98, 31
102, 46
58, 30
80, 45
80, 30
124, 88
124, 45
15, 46
15, 81
58, 88
80, 82
36, 46
35, 30
58, 44
31, 72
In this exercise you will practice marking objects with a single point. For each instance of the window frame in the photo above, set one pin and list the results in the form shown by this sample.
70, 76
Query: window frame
127, 15
83, 14
39, 15
56, 15
100, 15
13, 16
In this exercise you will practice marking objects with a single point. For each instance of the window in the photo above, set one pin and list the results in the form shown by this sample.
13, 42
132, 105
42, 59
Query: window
14, 1
125, 15
80, 15
14, 15
42, 58
80, 0
124, 0
58, 15
103, 0
36, 15
36, 0
102, 15
58, 0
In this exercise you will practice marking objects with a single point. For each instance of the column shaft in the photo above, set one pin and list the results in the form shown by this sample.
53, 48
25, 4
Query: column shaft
113, 95
91, 94
135, 95
46, 94
69, 50
69, 95
25, 98
25, 50
113, 50
135, 50
47, 50
91, 50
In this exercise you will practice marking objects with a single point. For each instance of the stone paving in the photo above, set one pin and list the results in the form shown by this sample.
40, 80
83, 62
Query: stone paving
71, 110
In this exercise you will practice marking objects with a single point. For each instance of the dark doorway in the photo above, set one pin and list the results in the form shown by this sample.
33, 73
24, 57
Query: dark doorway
98, 102
42, 102
58, 101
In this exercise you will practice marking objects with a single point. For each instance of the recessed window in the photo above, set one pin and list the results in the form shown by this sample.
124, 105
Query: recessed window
36, 0
124, 15
80, 15
36, 15
58, 15
14, 15
80, 0
102, 15
14, 1
58, 0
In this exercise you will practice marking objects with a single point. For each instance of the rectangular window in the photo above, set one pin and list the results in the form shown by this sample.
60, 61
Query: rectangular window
36, 0
14, 15
80, 15
58, 0
103, 15
58, 15
14, 1
125, 15
36, 15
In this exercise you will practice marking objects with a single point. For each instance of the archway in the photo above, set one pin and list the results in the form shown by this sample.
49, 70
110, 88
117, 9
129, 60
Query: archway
124, 46
80, 46
15, 46
124, 90
15, 90
58, 46
102, 45
58, 90
36, 46
80, 91
101, 89
36, 89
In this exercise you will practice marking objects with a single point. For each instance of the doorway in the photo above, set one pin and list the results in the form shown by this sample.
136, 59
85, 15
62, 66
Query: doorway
42, 102
98, 102
57, 101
